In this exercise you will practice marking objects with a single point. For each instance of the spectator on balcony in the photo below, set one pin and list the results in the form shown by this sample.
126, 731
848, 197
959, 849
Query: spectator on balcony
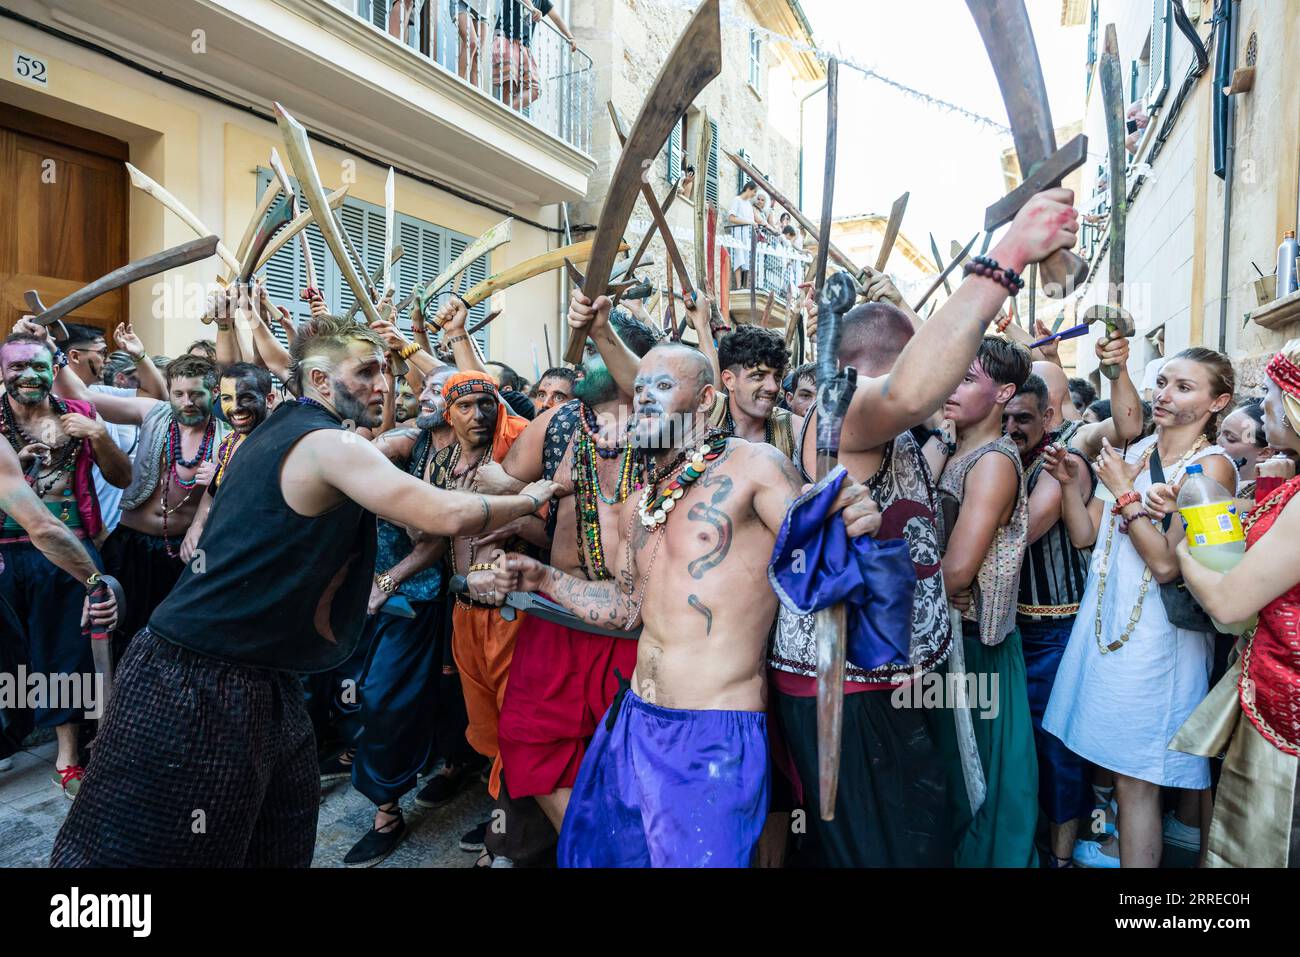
686, 186
472, 26
514, 70
399, 16
740, 226
790, 271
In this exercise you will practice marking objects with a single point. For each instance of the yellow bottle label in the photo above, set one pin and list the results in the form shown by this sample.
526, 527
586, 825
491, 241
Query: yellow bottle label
1215, 524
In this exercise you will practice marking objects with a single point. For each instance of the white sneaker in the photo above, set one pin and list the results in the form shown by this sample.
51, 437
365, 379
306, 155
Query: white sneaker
1178, 834
1090, 854
502, 862
6, 764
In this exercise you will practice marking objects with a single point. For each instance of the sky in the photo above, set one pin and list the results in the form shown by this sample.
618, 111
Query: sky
890, 142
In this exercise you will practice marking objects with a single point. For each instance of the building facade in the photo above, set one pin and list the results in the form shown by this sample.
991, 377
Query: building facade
753, 109
1210, 195
183, 89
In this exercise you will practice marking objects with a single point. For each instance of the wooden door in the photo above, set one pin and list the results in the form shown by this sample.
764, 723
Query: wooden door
63, 216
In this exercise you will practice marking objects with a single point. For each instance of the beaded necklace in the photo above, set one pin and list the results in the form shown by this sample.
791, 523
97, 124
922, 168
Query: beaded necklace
655, 505
452, 461
1104, 568
64, 463
225, 452
587, 489
171, 458
590, 425
303, 400
174, 456
729, 424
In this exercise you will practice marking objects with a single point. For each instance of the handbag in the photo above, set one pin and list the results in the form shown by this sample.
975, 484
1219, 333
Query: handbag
1181, 607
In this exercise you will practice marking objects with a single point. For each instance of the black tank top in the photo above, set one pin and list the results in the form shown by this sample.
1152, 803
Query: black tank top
269, 587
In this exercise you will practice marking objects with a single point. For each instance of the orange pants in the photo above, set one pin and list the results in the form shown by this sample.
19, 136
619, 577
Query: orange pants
482, 642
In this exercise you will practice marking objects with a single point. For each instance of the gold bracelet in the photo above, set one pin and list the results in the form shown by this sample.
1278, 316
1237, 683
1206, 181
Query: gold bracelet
409, 350
483, 567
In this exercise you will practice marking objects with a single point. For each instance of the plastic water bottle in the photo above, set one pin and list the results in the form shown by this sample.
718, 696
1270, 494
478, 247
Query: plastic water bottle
1214, 532
1286, 272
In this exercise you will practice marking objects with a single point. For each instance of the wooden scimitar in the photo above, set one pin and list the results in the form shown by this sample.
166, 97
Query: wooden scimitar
297, 227
182, 255
298, 150
498, 235
657, 214
695, 60
145, 184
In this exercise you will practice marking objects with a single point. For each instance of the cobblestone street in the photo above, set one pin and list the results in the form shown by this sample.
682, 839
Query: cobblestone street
32, 808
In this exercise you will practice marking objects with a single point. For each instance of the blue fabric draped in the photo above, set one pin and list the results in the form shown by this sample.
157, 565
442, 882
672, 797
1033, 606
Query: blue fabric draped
816, 565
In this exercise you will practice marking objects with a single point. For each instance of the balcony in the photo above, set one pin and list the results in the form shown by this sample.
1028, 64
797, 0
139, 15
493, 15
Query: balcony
780, 267
475, 50
336, 66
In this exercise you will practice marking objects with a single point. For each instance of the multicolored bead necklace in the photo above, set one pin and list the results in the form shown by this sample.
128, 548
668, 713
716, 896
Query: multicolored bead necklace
172, 457
591, 426
587, 489
61, 464
655, 505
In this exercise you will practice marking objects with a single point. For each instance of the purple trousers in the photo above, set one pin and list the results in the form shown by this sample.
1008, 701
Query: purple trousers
666, 788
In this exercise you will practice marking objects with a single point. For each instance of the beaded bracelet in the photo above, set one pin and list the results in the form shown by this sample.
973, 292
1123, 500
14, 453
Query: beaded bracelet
988, 268
1125, 500
409, 350
1124, 523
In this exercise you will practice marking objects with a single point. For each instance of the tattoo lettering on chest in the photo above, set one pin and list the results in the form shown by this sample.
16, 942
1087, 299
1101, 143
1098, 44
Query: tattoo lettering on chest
703, 609
718, 520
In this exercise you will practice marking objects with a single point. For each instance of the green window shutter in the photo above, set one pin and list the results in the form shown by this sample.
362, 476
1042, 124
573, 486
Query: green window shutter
673, 154
1158, 72
711, 184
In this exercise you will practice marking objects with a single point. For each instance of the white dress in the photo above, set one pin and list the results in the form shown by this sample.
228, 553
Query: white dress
1121, 709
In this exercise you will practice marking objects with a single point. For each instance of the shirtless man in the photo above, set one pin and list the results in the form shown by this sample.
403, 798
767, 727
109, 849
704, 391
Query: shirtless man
698, 710
208, 713
176, 438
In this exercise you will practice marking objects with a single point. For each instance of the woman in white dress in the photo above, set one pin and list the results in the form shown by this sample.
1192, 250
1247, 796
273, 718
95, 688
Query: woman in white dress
1129, 679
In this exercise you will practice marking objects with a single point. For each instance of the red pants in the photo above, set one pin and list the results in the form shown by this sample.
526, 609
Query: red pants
561, 683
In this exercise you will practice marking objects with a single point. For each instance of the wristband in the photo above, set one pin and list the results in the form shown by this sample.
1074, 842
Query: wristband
457, 338
988, 268
408, 350
385, 583
532, 498
1125, 500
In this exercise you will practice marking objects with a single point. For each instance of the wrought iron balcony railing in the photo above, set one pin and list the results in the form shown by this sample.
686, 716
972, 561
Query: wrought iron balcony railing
496, 46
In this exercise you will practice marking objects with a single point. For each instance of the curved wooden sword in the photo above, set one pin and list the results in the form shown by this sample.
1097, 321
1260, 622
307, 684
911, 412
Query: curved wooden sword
692, 64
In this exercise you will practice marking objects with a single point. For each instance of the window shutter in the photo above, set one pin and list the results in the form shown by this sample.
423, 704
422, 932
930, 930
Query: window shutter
711, 184
1158, 73
673, 156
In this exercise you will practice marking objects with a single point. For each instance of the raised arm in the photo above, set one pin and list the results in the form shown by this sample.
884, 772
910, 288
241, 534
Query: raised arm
1267, 570
699, 316
152, 383
358, 470
592, 319
936, 358
1125, 422
991, 487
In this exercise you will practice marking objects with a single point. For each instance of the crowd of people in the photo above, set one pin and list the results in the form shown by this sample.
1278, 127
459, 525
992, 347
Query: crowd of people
422, 581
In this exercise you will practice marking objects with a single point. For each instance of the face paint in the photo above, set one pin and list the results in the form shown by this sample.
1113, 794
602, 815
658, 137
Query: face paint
474, 419
665, 404
28, 372
242, 407
1182, 394
191, 401
358, 388
597, 386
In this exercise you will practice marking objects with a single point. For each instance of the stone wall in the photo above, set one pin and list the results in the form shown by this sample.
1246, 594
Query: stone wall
629, 40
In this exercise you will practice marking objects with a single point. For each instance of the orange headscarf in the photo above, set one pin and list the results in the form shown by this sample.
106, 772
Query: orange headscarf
508, 426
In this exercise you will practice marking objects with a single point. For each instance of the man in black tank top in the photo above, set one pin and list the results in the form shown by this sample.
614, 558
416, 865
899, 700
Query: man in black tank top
206, 756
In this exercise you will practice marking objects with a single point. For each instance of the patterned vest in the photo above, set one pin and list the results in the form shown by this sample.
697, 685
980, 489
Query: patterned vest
1054, 573
904, 491
998, 578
